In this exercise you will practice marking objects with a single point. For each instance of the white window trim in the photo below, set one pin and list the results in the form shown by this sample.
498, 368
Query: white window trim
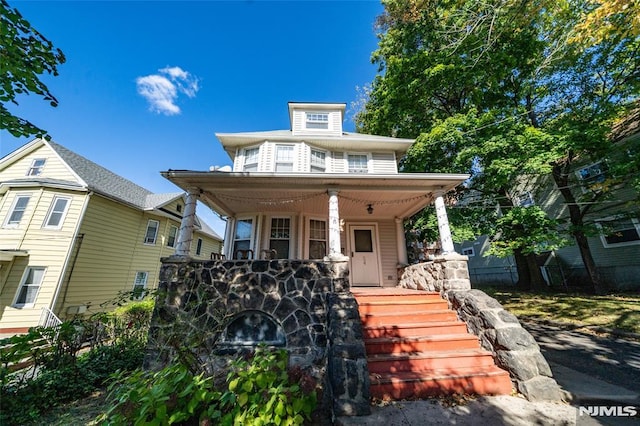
155, 236
603, 239
369, 162
12, 208
326, 157
584, 184
252, 237
294, 160
307, 236
137, 284
471, 254
199, 244
291, 239
175, 238
32, 167
314, 129
15, 303
244, 157
47, 218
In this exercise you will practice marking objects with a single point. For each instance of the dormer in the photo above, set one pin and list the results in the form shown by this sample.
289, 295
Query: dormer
316, 118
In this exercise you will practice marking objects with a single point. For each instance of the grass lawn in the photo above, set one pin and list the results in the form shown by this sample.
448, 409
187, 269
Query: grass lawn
620, 312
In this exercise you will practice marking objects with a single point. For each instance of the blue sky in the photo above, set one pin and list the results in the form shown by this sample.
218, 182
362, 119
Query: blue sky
147, 84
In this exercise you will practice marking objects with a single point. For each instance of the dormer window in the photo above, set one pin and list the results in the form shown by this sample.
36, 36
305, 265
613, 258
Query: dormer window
251, 159
284, 158
36, 167
318, 161
357, 163
317, 120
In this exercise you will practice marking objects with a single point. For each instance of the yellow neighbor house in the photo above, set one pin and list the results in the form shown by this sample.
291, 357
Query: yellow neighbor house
73, 235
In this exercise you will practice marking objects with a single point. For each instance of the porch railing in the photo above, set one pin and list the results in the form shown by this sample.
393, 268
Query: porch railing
49, 319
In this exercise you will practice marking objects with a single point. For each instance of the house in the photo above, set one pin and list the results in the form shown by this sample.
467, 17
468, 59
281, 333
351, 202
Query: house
73, 235
315, 191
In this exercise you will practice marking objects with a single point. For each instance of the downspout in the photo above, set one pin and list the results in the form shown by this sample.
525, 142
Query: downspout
76, 234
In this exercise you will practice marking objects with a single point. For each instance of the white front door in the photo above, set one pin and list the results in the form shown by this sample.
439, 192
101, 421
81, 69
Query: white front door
364, 256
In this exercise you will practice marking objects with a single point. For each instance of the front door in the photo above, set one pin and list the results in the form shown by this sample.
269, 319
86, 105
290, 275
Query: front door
364, 255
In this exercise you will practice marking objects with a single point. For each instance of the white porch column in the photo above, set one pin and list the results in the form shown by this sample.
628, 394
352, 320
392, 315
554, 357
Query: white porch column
228, 237
443, 226
185, 235
401, 243
335, 251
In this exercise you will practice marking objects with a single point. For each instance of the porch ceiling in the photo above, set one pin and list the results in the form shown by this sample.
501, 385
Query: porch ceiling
391, 196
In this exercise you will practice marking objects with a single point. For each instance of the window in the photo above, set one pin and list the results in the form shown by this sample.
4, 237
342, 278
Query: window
592, 176
199, 247
279, 238
140, 284
317, 239
284, 158
17, 210
317, 120
318, 161
357, 163
242, 237
56, 214
524, 199
251, 159
152, 232
29, 287
36, 167
468, 251
173, 234
618, 232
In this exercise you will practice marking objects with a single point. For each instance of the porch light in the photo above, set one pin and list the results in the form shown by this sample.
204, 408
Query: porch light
370, 209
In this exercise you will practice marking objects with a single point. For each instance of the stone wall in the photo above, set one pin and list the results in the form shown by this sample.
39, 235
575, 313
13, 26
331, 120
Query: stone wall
446, 272
513, 348
309, 302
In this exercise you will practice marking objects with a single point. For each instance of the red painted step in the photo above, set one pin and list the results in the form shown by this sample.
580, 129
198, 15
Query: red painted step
417, 347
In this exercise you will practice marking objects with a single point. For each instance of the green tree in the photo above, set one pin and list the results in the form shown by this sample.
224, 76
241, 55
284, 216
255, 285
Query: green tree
25, 54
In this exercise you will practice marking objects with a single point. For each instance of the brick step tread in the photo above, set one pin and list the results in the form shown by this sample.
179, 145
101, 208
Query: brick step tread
414, 329
443, 354
417, 313
386, 318
390, 291
424, 338
402, 301
426, 375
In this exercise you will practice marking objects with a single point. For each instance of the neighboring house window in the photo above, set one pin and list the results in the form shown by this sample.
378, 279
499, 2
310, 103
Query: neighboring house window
284, 158
140, 284
152, 232
318, 161
468, 251
57, 212
280, 236
317, 239
357, 163
29, 287
592, 175
173, 234
317, 120
199, 247
524, 199
242, 237
17, 210
36, 167
179, 208
619, 232
251, 159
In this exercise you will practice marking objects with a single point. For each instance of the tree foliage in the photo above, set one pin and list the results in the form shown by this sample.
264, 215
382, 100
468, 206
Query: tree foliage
25, 55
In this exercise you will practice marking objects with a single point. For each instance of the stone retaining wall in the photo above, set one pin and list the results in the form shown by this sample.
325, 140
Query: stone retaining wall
447, 272
308, 301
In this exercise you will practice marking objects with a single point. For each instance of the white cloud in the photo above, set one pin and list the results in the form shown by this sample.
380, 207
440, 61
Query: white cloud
162, 90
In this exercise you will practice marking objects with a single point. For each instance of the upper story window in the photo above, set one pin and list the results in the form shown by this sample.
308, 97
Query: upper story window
284, 158
468, 251
317, 120
173, 234
199, 247
524, 199
251, 159
593, 175
619, 232
29, 287
358, 163
17, 211
36, 167
318, 161
152, 232
57, 212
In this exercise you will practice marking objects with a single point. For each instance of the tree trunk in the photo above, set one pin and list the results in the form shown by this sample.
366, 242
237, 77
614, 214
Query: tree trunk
524, 275
538, 283
560, 176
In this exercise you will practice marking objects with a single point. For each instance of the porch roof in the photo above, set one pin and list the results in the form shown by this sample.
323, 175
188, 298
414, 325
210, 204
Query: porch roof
391, 195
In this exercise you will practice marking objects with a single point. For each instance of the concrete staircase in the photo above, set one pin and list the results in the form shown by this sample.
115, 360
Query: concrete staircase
417, 348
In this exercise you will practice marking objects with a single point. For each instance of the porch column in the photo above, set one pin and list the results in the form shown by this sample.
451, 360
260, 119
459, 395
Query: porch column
185, 235
443, 225
228, 236
335, 251
401, 244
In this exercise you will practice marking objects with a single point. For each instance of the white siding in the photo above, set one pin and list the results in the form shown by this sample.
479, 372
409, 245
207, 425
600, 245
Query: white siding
298, 126
336, 162
384, 163
388, 253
